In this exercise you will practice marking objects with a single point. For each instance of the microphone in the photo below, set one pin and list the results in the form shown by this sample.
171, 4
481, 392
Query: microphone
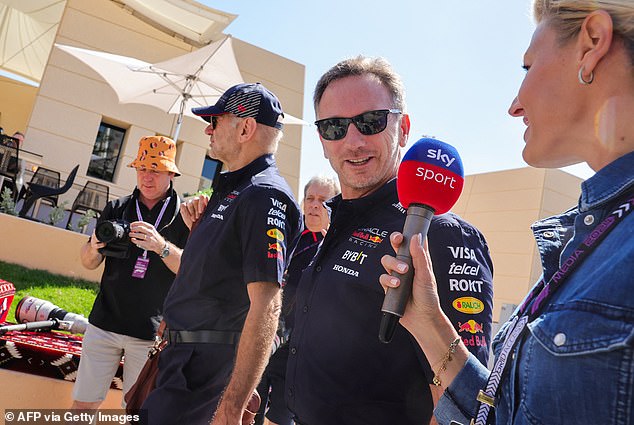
429, 181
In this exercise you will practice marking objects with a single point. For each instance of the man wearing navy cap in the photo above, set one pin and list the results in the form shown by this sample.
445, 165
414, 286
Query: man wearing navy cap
222, 310
338, 370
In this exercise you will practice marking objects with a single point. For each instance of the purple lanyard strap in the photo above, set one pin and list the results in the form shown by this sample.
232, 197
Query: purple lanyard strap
158, 219
535, 302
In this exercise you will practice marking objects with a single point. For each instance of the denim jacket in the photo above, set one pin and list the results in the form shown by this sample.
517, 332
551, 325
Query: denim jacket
575, 364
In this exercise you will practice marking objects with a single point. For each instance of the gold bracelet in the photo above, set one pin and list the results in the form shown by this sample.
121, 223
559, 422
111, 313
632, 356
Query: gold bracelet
446, 359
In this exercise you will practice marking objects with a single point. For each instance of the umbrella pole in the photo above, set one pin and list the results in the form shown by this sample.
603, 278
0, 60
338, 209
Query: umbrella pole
179, 120
177, 128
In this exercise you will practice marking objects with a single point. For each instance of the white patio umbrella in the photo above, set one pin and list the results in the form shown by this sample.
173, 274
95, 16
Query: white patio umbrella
176, 85
27, 32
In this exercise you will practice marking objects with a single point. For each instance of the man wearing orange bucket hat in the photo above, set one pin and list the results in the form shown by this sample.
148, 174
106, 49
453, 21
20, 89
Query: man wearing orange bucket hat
140, 237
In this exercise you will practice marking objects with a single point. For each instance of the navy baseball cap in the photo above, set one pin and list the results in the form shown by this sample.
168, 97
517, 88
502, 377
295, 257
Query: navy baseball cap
246, 100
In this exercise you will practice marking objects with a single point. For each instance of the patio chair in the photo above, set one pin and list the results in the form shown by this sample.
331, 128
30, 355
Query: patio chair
93, 196
36, 191
44, 177
9, 168
9, 141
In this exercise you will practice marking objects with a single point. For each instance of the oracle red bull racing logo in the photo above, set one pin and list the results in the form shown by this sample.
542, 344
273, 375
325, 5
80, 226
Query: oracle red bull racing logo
368, 237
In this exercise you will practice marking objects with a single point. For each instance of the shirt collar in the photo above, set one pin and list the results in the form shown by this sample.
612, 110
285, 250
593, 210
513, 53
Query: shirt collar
384, 194
254, 167
170, 192
609, 182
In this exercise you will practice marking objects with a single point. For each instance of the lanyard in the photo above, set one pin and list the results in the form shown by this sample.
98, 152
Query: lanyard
536, 301
158, 219
316, 241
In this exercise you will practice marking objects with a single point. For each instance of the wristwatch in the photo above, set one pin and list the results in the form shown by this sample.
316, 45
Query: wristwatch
166, 250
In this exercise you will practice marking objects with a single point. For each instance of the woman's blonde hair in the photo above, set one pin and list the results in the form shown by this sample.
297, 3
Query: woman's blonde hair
566, 16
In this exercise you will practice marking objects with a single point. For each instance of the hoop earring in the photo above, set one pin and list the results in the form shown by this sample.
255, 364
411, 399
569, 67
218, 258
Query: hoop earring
582, 81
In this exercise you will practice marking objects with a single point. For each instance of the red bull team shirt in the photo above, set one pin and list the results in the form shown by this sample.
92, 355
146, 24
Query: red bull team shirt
338, 370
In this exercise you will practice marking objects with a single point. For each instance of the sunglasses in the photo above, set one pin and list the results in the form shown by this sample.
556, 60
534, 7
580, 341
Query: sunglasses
368, 123
214, 121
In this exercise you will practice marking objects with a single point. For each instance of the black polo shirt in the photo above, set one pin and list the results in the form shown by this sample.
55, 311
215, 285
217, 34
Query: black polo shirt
338, 370
248, 229
125, 304
304, 252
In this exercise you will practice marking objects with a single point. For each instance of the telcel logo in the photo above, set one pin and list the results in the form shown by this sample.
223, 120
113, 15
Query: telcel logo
468, 305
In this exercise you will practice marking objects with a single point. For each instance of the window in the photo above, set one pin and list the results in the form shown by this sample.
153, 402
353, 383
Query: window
211, 169
105, 153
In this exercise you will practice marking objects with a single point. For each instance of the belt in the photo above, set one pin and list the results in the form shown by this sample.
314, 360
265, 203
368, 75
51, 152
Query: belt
201, 337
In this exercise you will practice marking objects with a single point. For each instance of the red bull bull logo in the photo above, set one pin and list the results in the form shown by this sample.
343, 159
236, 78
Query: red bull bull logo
275, 247
470, 326
367, 237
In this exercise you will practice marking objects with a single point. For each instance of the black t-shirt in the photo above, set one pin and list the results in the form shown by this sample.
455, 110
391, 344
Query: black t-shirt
338, 370
250, 225
127, 305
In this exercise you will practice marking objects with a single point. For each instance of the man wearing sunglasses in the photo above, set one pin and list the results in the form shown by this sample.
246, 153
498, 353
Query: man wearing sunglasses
222, 311
338, 370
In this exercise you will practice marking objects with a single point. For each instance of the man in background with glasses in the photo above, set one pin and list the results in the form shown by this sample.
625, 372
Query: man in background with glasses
338, 371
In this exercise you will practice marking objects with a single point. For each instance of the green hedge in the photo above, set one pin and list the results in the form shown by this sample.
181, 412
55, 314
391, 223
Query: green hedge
73, 295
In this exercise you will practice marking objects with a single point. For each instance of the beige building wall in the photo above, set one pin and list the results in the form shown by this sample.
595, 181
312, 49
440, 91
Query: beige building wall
43, 247
73, 100
503, 205
16, 102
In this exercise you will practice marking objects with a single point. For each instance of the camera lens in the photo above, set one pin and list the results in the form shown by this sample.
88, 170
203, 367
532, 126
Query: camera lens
108, 231
31, 309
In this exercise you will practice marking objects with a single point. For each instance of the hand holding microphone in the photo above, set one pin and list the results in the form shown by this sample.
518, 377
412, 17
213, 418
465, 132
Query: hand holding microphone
429, 181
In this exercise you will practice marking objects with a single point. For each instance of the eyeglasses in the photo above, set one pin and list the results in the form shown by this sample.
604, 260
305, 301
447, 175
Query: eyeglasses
214, 121
368, 123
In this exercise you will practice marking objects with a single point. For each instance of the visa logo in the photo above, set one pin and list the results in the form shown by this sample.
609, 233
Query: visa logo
442, 157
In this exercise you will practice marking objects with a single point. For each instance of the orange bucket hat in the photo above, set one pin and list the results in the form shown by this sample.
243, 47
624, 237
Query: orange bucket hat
156, 153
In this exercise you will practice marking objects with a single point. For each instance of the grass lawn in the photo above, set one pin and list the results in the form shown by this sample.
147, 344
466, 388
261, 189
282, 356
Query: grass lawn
72, 295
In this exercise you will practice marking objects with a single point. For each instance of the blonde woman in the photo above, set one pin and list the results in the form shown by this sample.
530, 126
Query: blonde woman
566, 356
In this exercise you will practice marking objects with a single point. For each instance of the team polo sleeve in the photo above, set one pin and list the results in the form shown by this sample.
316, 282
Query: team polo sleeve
464, 275
268, 224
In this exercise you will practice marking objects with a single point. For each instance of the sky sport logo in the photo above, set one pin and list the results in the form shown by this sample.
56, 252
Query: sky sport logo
430, 174
436, 173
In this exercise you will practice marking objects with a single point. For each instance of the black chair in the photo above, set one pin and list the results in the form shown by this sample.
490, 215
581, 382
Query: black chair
36, 191
9, 141
93, 196
9, 167
44, 177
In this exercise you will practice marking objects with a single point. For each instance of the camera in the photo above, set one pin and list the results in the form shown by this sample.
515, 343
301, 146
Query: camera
31, 309
113, 231
116, 235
